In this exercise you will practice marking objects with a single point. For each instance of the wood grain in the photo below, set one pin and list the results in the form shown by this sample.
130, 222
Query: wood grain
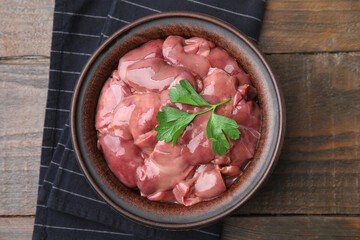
23, 90
25, 27
16, 228
24, 60
310, 26
319, 167
289, 26
239, 228
291, 227
318, 171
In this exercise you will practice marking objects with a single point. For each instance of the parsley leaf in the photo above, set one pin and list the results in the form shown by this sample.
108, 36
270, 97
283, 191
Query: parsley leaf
185, 93
173, 121
215, 129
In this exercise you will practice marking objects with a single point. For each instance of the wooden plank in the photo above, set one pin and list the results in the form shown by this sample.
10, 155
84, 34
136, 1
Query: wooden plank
319, 167
23, 91
289, 26
294, 227
25, 27
16, 228
310, 26
24, 60
239, 228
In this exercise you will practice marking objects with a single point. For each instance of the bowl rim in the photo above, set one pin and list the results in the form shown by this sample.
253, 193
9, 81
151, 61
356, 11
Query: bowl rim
275, 84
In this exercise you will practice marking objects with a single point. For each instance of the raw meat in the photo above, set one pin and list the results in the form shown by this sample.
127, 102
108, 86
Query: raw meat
189, 172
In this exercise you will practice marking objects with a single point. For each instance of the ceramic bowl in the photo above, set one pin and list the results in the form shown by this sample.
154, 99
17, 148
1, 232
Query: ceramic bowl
99, 67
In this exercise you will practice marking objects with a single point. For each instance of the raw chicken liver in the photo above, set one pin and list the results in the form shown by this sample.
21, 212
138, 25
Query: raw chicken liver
189, 172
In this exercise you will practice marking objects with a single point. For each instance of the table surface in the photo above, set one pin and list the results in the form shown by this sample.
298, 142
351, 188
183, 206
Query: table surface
314, 192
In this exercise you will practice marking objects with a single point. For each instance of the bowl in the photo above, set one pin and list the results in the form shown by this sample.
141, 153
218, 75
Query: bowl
99, 67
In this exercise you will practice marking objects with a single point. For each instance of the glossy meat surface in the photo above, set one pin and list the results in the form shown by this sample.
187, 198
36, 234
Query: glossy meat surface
206, 183
189, 172
180, 52
162, 170
111, 95
152, 49
153, 75
122, 156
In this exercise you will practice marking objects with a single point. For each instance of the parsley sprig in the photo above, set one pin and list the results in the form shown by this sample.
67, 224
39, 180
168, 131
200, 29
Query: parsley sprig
173, 121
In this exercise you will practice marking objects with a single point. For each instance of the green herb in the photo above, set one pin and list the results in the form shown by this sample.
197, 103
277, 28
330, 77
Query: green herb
215, 129
185, 93
173, 121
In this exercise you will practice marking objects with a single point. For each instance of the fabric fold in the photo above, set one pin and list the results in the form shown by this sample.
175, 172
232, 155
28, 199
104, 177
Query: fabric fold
67, 207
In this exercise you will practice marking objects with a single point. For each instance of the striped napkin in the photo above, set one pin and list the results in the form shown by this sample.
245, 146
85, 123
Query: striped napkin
67, 207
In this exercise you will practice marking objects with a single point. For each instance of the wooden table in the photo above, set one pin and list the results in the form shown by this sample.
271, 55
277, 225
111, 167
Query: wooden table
314, 192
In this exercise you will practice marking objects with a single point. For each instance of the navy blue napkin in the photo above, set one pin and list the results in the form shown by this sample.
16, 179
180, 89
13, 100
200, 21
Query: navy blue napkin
67, 207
